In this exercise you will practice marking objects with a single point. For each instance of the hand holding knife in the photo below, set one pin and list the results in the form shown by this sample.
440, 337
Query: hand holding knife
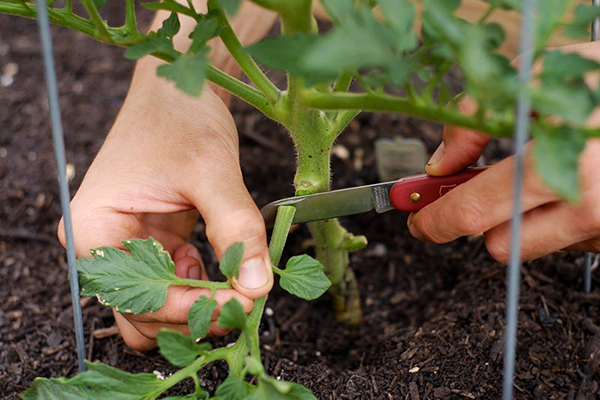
407, 194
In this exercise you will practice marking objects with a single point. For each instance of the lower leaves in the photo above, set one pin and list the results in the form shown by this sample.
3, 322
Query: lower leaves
137, 282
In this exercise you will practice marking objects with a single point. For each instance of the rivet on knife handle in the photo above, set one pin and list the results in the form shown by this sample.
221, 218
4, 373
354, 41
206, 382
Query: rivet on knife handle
412, 194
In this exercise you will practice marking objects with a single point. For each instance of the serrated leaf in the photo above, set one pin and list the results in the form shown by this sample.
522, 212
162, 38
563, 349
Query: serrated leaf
149, 46
206, 29
188, 72
338, 10
550, 16
440, 23
55, 389
572, 104
560, 67
231, 260
303, 276
557, 159
200, 315
170, 26
584, 14
232, 315
282, 53
232, 388
179, 349
230, 6
400, 15
133, 283
100, 381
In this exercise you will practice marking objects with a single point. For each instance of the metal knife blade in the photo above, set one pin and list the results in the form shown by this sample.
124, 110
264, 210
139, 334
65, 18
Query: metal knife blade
337, 203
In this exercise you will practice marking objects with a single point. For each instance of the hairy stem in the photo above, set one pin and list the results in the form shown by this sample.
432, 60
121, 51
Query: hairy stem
244, 60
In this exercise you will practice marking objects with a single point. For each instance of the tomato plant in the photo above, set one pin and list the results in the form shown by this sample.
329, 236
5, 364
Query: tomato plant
391, 67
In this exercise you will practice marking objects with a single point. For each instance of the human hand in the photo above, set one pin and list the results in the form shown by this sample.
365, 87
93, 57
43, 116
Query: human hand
485, 203
168, 158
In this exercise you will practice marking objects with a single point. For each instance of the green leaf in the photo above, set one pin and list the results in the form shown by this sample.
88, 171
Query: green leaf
150, 45
584, 14
188, 72
231, 260
100, 381
282, 53
170, 26
272, 389
303, 276
179, 349
202, 395
572, 104
230, 6
556, 155
400, 15
232, 388
506, 4
440, 23
133, 283
338, 10
560, 67
550, 16
232, 315
55, 389
206, 29
200, 315
99, 3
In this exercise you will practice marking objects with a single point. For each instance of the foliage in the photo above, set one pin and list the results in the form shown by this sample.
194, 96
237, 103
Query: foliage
394, 68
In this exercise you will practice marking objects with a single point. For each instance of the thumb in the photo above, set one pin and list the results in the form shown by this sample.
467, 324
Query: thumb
231, 216
460, 147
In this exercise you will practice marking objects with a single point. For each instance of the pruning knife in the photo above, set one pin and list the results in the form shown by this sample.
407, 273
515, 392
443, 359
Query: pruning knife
407, 194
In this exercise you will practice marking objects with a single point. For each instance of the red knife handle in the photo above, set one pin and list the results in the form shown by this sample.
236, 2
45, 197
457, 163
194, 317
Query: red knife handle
412, 194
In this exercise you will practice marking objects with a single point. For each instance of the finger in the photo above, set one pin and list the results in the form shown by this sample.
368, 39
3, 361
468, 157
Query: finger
181, 298
545, 230
591, 245
460, 147
132, 337
232, 216
479, 204
188, 263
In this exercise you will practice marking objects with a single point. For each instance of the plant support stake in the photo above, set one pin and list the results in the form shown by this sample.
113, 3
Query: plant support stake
521, 135
587, 278
59, 151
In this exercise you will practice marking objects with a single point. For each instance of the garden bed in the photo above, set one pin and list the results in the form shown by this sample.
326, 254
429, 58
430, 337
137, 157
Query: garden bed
434, 315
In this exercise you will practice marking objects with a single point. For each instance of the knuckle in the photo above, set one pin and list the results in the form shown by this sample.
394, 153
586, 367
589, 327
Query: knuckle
469, 217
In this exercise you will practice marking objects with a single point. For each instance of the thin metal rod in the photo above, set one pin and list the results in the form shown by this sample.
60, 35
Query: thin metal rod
521, 136
61, 164
587, 277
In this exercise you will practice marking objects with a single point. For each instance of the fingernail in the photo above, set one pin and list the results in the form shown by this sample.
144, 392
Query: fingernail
437, 155
194, 273
412, 228
193, 252
253, 273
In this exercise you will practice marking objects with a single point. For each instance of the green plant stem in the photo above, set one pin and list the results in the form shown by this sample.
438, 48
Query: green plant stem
130, 20
243, 59
203, 284
390, 103
487, 14
68, 6
283, 222
96, 18
342, 84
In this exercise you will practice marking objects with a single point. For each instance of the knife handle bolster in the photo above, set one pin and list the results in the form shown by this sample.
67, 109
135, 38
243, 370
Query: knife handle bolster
412, 194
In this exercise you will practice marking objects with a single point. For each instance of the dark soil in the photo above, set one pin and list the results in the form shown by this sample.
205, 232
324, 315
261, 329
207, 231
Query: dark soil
434, 315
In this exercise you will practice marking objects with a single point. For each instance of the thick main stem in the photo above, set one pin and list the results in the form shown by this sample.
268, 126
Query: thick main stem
313, 135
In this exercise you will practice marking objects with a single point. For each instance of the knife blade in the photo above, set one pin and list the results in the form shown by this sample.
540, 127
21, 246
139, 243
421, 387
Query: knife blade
407, 194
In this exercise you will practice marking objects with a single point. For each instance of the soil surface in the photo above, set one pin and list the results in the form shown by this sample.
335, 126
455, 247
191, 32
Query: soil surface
434, 315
